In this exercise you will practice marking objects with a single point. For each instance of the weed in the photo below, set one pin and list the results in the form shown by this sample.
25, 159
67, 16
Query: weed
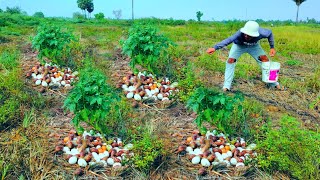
187, 82
293, 62
291, 149
147, 148
28, 118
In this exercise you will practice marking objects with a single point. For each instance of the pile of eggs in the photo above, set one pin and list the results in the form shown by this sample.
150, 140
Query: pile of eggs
213, 149
50, 76
144, 86
89, 150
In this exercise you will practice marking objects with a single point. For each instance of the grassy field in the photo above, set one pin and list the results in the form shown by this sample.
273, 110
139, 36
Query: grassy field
283, 124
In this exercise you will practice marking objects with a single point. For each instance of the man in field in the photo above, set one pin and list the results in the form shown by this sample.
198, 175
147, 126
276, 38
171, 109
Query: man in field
246, 40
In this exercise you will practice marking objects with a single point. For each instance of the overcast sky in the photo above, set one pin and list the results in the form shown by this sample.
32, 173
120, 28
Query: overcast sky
177, 9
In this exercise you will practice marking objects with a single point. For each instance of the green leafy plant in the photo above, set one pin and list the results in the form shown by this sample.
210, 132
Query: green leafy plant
291, 149
213, 107
53, 43
91, 100
145, 46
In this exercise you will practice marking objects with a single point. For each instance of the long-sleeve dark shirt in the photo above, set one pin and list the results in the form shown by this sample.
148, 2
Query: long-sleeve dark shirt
238, 38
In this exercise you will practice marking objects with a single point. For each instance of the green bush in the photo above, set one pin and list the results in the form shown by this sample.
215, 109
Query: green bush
53, 43
92, 100
214, 108
78, 15
147, 48
291, 149
38, 15
99, 16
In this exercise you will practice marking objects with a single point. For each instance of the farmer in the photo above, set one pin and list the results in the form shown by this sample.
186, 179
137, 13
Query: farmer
246, 40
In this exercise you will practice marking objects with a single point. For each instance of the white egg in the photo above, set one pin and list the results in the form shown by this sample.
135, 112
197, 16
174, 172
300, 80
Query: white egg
205, 162
130, 95
189, 149
63, 83
74, 151
251, 147
82, 162
110, 161
73, 160
165, 99
229, 153
106, 154
124, 86
129, 146
195, 160
116, 165
160, 96
131, 88
66, 149
38, 82
39, 76
197, 151
240, 164
233, 161
137, 97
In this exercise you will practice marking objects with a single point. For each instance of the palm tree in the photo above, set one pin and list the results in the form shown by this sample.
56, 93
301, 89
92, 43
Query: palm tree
298, 3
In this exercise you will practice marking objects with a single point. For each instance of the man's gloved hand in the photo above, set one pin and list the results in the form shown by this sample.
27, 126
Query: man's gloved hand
272, 52
211, 50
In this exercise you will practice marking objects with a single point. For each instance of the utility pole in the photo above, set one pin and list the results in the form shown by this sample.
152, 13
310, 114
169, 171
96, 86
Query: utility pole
132, 10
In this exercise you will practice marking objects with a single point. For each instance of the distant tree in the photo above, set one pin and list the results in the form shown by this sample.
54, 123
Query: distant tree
298, 3
14, 10
99, 15
117, 13
78, 15
90, 8
199, 15
38, 14
83, 5
1, 10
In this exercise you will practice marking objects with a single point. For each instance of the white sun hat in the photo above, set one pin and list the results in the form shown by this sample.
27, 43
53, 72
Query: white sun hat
251, 28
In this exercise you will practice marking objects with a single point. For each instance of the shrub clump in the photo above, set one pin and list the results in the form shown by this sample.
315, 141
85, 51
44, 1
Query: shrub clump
291, 149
